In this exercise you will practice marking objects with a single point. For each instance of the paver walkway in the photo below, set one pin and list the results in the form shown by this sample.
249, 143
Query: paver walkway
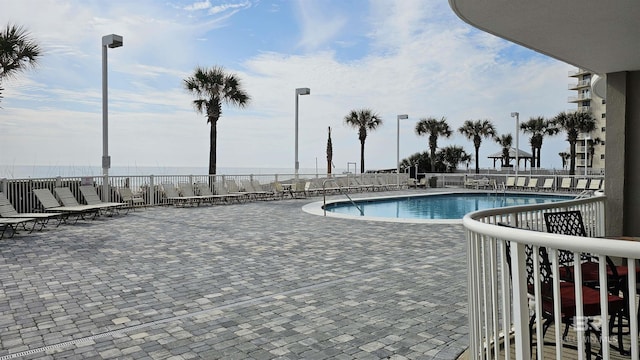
260, 280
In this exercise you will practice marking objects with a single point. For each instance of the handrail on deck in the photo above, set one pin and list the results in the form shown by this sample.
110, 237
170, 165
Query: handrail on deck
499, 301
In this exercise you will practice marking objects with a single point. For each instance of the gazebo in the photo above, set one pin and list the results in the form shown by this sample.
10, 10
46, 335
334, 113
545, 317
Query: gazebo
522, 155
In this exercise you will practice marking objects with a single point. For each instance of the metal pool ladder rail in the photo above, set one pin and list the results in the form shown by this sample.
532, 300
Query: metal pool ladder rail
324, 198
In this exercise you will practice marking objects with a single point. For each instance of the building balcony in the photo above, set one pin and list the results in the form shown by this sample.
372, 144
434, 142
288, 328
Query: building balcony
580, 97
504, 291
580, 85
578, 72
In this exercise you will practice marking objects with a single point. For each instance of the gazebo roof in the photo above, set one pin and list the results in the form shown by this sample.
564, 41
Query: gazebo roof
512, 154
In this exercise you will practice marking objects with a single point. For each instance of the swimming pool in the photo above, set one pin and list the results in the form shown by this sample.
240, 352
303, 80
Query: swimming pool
436, 206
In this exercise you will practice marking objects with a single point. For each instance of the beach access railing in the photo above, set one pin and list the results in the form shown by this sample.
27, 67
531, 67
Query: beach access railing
500, 305
149, 187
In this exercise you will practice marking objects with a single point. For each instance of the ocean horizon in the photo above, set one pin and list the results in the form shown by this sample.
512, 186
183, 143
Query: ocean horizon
49, 171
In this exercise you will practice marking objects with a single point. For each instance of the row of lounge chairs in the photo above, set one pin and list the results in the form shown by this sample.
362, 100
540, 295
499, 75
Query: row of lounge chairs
63, 209
229, 191
566, 184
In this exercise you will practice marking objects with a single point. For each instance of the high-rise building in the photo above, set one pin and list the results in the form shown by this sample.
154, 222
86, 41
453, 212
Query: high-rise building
590, 146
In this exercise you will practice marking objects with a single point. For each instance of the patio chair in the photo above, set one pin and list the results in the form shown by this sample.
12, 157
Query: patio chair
91, 197
222, 190
571, 223
68, 199
12, 224
590, 298
129, 198
548, 184
533, 184
258, 193
8, 211
268, 194
594, 184
582, 184
205, 190
50, 204
566, 184
520, 182
174, 198
511, 182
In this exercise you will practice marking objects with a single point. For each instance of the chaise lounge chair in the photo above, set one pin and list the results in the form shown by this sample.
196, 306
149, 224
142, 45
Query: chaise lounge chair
92, 198
50, 203
12, 225
68, 199
131, 200
8, 211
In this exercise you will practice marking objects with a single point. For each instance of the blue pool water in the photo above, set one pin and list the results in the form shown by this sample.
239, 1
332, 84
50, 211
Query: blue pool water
439, 206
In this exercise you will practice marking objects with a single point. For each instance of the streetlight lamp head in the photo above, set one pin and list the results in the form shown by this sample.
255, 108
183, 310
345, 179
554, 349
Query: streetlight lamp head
514, 114
303, 91
112, 41
403, 117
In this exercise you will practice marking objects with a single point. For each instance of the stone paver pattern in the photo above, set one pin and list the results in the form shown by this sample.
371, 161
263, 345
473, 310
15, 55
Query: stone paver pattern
260, 280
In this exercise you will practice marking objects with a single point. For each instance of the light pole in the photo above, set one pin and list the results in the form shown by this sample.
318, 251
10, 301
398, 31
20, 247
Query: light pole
299, 91
586, 154
108, 41
517, 116
403, 117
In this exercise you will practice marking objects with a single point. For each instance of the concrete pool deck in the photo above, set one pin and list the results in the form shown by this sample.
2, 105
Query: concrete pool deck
260, 280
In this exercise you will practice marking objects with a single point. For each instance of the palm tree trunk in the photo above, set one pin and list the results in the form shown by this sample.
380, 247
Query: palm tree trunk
572, 163
432, 155
212, 145
362, 157
477, 160
539, 156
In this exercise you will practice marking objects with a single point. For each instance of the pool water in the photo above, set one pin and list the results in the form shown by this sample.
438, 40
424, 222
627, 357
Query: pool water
443, 206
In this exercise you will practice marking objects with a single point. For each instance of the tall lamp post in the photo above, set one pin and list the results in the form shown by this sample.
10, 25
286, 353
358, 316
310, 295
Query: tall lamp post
403, 117
299, 91
517, 116
108, 41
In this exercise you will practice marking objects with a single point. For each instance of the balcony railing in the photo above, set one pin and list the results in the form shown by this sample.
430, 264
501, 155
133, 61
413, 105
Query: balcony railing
499, 300
580, 97
580, 84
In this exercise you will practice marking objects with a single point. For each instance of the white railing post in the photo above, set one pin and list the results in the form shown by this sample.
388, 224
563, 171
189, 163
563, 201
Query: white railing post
520, 301
152, 191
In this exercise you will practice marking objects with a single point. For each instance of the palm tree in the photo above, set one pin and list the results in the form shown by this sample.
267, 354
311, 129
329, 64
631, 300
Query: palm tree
476, 130
420, 159
434, 128
453, 155
538, 127
574, 123
18, 52
213, 87
364, 120
506, 141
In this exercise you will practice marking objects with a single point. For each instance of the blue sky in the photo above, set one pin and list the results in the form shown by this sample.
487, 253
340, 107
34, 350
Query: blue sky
395, 57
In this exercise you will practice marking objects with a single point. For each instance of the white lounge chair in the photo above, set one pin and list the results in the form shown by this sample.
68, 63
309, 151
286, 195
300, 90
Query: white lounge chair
566, 184
12, 225
68, 199
595, 184
8, 211
533, 184
50, 203
582, 184
520, 182
91, 197
511, 182
548, 184
129, 198
173, 196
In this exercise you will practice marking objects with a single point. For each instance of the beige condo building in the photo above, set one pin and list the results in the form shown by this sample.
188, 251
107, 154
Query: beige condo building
590, 149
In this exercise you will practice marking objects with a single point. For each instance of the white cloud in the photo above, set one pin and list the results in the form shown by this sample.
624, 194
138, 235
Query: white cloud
424, 62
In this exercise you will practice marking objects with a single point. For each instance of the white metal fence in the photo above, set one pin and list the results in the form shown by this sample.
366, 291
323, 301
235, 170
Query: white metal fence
500, 303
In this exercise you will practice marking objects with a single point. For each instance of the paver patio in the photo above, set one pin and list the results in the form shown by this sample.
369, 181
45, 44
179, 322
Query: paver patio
261, 280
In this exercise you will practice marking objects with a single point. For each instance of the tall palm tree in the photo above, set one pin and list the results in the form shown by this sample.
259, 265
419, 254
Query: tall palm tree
213, 87
364, 120
538, 127
434, 128
574, 123
476, 130
18, 52
506, 141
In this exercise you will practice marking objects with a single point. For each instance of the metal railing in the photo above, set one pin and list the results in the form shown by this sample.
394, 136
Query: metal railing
499, 300
150, 187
